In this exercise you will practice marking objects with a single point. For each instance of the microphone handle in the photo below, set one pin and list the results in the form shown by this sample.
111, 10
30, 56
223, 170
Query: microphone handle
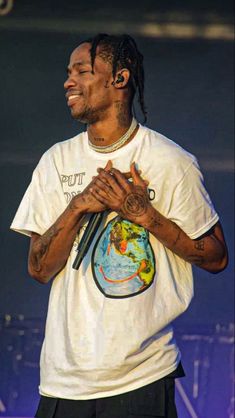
87, 238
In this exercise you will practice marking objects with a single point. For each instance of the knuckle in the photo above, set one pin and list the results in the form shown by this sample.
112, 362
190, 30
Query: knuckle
114, 171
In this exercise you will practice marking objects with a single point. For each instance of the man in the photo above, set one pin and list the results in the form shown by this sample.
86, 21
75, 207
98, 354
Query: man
109, 350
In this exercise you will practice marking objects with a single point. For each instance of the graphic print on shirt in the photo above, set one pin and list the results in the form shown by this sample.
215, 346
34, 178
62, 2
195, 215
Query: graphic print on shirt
70, 184
123, 261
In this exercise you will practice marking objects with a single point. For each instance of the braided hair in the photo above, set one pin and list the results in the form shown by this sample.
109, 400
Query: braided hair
121, 52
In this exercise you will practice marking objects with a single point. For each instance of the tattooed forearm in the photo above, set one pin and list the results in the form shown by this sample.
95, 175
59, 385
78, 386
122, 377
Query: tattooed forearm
199, 245
208, 252
41, 247
154, 222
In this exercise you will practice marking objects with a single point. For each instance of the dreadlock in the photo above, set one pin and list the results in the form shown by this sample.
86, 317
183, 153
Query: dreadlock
121, 52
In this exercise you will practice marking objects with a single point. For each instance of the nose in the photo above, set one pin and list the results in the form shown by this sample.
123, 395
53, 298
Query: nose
70, 82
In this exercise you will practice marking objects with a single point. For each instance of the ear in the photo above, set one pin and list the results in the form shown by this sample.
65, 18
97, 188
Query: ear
121, 78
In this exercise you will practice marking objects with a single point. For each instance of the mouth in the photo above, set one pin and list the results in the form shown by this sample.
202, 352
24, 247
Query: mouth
72, 98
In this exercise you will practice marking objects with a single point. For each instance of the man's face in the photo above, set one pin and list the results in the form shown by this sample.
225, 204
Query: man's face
89, 95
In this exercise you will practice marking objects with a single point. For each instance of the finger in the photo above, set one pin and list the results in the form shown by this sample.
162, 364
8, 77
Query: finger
105, 187
120, 179
137, 179
99, 192
108, 165
98, 195
110, 179
127, 175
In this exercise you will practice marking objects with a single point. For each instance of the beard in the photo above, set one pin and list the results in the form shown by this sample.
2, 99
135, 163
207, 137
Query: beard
88, 115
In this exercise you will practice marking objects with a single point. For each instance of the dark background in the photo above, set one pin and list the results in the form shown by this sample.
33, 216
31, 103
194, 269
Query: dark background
188, 52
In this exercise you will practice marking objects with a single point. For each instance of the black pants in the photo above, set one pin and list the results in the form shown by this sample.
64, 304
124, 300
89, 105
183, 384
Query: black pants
154, 400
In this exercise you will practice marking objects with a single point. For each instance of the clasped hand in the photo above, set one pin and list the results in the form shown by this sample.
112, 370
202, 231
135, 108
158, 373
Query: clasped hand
112, 189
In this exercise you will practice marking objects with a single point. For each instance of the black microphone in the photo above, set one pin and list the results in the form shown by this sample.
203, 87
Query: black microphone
87, 238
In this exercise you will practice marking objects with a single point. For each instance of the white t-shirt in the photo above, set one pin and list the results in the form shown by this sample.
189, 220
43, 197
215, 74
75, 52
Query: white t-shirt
108, 325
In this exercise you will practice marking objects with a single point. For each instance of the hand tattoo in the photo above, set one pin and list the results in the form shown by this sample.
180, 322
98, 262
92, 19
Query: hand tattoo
135, 203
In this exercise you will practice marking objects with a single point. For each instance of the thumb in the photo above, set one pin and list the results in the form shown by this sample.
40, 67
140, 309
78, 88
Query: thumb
137, 179
108, 166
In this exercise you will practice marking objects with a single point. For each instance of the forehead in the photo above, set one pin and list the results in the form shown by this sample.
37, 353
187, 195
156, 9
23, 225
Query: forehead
81, 55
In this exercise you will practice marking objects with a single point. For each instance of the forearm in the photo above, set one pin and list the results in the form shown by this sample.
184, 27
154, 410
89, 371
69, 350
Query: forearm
208, 252
49, 252
131, 201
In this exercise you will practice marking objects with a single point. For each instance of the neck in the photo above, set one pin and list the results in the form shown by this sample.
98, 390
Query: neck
106, 146
109, 130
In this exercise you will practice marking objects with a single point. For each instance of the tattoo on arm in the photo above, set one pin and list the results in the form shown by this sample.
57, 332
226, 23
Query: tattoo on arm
199, 245
41, 246
155, 221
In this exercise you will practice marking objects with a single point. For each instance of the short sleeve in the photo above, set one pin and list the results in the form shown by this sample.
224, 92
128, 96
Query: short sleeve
191, 206
43, 201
